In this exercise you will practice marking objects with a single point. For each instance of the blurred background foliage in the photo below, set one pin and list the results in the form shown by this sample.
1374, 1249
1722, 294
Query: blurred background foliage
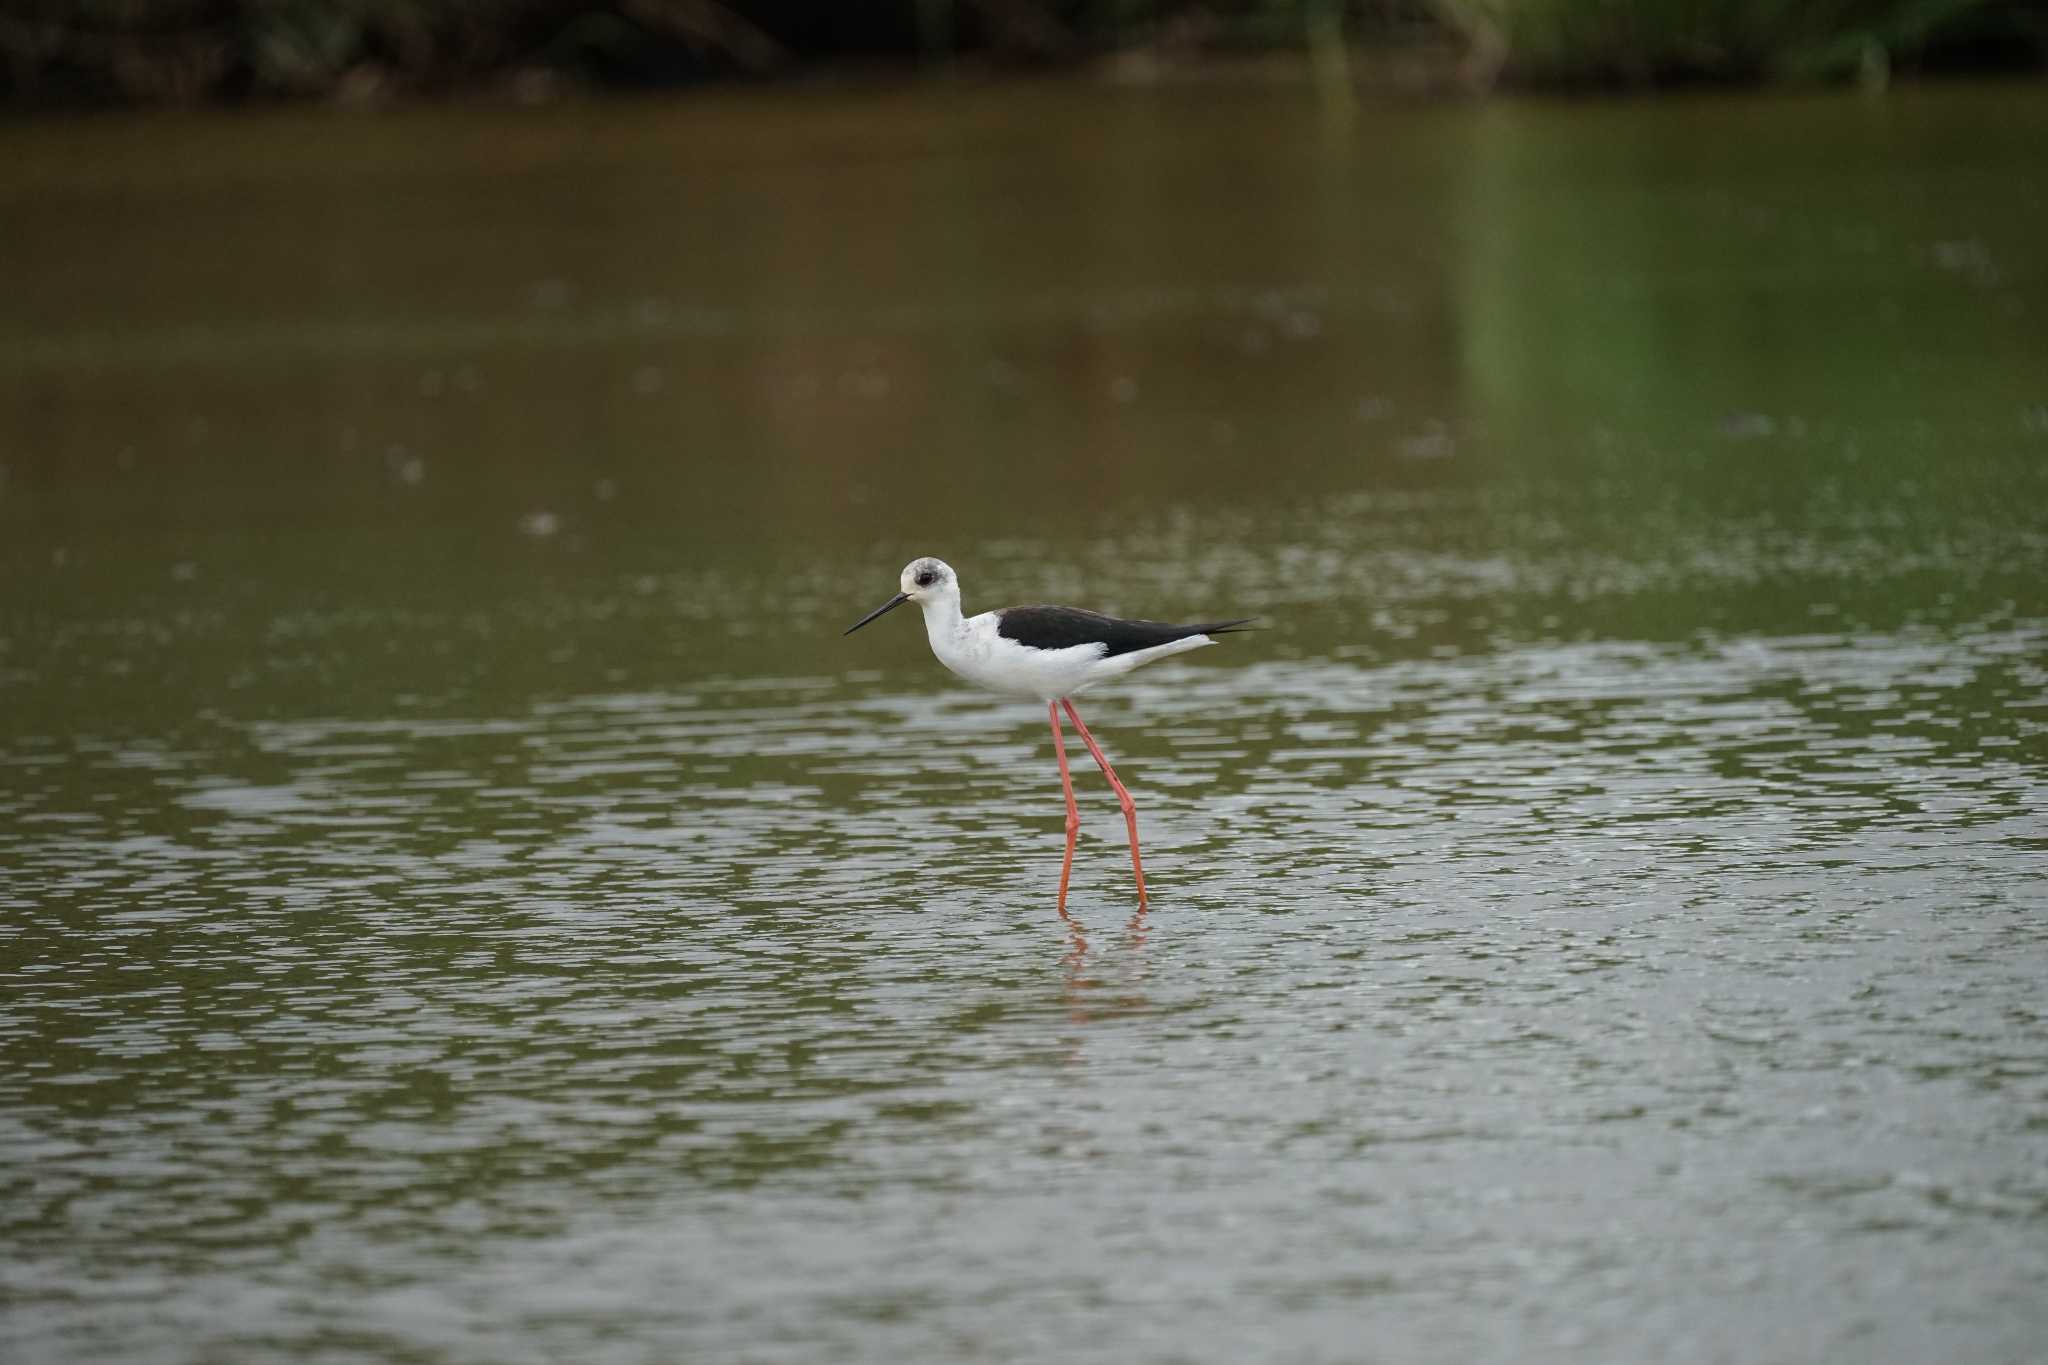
186, 51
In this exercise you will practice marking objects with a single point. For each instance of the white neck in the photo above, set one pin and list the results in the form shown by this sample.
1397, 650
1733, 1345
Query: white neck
941, 614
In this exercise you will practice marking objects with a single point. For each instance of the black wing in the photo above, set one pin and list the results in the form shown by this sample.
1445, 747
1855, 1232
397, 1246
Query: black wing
1065, 627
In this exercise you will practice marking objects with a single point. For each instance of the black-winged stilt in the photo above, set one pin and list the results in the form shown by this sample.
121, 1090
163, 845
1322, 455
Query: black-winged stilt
1048, 654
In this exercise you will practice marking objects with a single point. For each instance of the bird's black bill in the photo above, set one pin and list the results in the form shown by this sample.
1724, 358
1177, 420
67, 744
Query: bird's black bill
898, 600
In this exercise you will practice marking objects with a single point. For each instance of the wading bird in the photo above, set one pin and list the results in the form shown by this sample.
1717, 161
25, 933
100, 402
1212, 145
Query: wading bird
1047, 654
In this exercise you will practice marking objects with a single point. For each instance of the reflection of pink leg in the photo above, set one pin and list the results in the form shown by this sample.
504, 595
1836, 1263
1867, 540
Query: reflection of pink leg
1059, 748
1123, 798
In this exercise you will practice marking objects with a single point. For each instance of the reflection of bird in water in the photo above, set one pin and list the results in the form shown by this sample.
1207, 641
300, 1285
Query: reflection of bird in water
1048, 654
1076, 955
1086, 994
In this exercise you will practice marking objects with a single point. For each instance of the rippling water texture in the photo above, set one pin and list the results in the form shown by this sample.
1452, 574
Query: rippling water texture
463, 901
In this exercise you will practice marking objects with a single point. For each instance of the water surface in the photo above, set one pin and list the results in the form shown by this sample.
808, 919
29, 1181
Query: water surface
463, 900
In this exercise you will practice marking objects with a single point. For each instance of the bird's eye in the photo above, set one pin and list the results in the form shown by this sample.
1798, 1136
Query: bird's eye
926, 579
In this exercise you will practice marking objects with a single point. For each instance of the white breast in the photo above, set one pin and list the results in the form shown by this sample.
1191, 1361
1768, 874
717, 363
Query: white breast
977, 652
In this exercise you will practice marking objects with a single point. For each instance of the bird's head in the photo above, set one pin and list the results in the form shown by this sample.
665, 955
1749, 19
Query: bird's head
928, 577
923, 580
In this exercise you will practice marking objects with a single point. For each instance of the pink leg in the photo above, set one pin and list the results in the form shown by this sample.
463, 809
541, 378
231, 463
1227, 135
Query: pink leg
1123, 798
1059, 748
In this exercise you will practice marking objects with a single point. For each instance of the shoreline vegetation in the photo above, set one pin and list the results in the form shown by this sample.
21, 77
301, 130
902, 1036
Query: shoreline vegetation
98, 53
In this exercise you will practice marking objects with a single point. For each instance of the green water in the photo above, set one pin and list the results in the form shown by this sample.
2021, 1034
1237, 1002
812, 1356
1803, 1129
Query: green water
462, 900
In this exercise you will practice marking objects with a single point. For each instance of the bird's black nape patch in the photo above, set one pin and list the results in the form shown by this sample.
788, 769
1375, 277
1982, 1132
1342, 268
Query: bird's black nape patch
1065, 627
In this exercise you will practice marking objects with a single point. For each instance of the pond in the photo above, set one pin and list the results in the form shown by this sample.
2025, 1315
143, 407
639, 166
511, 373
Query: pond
463, 899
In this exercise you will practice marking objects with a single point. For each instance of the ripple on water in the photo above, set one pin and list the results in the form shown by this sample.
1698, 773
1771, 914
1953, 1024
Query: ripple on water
1574, 970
